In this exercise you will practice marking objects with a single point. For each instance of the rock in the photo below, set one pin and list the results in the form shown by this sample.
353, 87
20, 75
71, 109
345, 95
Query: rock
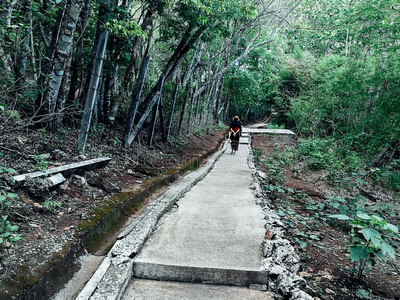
101, 182
58, 154
329, 291
262, 175
130, 172
305, 274
298, 294
286, 284
79, 180
282, 253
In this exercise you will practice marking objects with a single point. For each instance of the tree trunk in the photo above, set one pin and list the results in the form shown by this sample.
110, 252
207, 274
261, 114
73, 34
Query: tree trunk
171, 111
92, 92
129, 69
63, 52
162, 123
6, 14
182, 115
104, 9
135, 99
153, 123
100, 101
149, 108
62, 97
187, 41
77, 59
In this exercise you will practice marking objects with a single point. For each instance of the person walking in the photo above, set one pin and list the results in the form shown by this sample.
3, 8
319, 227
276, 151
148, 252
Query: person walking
235, 133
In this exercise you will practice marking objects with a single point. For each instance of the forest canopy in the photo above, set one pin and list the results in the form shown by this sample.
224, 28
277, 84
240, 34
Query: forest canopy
325, 69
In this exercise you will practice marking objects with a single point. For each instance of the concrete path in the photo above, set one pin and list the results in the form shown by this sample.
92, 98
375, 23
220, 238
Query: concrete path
213, 236
141, 289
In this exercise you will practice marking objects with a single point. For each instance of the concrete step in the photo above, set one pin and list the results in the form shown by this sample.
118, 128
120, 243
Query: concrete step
142, 289
195, 274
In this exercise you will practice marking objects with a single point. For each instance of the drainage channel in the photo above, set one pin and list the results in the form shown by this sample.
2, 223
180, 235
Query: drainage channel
66, 274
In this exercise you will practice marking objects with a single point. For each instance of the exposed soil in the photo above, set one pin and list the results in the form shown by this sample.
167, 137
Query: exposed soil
325, 261
48, 219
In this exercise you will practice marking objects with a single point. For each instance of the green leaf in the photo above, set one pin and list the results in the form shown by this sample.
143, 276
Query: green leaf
363, 215
2, 106
11, 171
5, 235
12, 195
340, 217
362, 294
358, 253
380, 255
391, 227
302, 243
2, 198
387, 249
1, 240
281, 213
369, 233
14, 228
359, 180
376, 241
377, 218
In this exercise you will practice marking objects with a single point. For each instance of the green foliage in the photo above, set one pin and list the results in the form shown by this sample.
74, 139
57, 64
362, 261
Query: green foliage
7, 170
220, 125
178, 141
363, 294
327, 154
257, 152
40, 162
371, 238
8, 231
125, 28
52, 205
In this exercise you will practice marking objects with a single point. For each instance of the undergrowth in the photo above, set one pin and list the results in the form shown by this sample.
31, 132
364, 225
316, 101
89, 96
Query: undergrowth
371, 237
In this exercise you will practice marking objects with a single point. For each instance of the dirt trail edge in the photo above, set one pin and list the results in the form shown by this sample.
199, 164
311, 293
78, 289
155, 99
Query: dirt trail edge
214, 235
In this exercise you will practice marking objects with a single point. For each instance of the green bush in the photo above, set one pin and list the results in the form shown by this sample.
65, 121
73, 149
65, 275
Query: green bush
326, 154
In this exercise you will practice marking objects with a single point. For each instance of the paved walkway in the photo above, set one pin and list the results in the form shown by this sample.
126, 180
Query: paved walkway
213, 236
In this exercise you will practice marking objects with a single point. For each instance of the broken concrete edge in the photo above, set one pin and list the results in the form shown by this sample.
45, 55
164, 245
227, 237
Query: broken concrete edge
280, 259
64, 170
113, 282
197, 274
94, 281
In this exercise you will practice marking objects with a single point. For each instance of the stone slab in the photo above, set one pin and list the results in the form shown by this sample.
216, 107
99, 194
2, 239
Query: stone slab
140, 289
271, 131
57, 179
244, 140
199, 274
66, 169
